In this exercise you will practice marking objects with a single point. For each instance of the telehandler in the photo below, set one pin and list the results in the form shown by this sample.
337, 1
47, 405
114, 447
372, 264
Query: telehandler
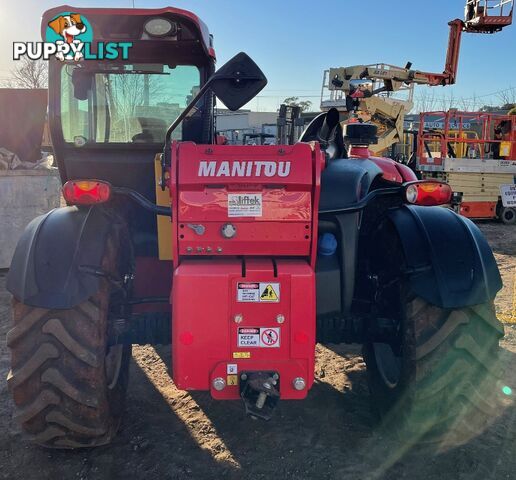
240, 257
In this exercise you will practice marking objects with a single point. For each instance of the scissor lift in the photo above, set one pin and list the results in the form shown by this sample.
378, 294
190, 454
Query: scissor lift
475, 153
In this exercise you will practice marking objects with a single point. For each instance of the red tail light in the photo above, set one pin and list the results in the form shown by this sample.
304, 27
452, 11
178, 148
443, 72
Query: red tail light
86, 192
428, 193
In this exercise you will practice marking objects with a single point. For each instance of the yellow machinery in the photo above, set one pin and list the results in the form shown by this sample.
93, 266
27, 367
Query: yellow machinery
383, 93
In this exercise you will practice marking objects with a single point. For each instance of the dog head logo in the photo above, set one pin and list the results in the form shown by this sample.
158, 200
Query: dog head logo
68, 26
73, 30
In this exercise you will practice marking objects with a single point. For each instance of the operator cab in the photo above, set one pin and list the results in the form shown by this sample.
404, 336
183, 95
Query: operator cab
488, 16
109, 116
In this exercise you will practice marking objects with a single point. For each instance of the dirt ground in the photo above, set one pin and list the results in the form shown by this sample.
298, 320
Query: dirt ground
168, 434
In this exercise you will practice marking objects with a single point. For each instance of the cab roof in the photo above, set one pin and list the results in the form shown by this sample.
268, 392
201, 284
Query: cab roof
98, 15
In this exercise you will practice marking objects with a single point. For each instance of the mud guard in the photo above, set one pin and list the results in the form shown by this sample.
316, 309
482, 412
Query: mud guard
53, 262
450, 264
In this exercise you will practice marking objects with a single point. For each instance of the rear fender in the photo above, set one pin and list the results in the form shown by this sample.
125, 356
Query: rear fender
48, 267
450, 264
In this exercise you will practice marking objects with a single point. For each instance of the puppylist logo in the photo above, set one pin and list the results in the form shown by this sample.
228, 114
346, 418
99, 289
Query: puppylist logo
69, 36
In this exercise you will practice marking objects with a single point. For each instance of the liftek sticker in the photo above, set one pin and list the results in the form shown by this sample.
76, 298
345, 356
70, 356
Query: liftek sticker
244, 204
258, 338
258, 292
232, 369
248, 337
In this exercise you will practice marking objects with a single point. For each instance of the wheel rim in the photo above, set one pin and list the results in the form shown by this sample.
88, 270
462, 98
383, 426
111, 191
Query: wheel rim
389, 366
508, 215
113, 365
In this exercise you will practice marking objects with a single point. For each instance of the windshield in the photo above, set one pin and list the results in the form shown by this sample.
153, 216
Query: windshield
124, 103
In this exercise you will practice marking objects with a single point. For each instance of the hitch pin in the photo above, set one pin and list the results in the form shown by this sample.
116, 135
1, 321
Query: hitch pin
260, 402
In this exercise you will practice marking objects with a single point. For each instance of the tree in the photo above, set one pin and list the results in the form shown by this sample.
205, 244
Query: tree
448, 102
305, 105
508, 96
426, 101
28, 74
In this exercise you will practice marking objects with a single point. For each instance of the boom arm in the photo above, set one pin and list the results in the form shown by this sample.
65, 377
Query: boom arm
449, 76
479, 19
481, 16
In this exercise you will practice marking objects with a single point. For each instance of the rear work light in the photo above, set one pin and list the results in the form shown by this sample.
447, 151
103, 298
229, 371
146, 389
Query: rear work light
428, 193
86, 192
160, 27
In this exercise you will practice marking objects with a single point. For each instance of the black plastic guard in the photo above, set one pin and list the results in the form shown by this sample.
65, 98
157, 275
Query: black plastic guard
46, 268
450, 263
345, 182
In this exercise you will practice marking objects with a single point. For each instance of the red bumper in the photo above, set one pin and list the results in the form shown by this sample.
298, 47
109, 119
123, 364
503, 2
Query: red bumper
232, 316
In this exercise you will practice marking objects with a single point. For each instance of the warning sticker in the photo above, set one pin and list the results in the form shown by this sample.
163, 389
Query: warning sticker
248, 292
269, 292
248, 337
508, 194
241, 354
258, 292
244, 204
270, 337
232, 380
232, 369
258, 337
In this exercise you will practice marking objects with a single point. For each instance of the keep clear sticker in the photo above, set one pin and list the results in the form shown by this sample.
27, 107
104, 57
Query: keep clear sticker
258, 292
248, 337
263, 337
244, 204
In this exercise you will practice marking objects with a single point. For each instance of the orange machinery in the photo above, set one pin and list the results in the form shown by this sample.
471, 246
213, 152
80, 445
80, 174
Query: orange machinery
479, 167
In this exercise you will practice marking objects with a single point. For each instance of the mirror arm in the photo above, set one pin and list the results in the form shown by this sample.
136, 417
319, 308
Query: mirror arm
189, 107
165, 158
187, 110
239, 68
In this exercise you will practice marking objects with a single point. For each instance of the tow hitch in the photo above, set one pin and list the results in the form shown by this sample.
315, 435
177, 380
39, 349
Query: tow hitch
260, 393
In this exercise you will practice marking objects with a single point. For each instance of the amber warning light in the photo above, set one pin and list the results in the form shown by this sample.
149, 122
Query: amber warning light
86, 192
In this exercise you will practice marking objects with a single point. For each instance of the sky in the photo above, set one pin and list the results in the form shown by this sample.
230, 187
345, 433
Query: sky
295, 41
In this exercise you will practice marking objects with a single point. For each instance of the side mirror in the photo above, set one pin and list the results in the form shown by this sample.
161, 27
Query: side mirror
235, 83
238, 81
82, 83
364, 85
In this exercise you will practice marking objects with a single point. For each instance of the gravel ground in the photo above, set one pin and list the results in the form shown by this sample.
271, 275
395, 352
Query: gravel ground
168, 434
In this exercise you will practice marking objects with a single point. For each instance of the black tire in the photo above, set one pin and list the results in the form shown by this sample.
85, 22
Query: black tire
68, 385
441, 383
508, 215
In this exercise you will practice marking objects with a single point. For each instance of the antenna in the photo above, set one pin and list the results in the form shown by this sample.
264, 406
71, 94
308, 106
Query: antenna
133, 4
